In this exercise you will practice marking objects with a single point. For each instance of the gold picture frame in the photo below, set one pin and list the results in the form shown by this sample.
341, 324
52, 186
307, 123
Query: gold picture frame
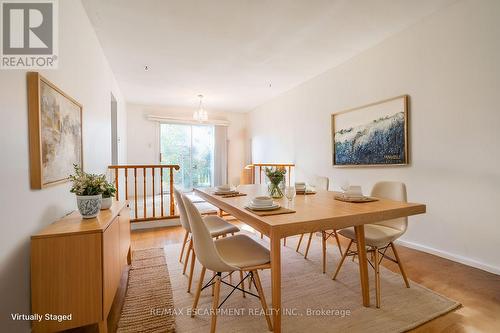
374, 134
55, 132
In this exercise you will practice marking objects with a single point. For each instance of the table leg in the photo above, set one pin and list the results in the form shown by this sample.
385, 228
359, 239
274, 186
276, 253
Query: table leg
363, 264
276, 280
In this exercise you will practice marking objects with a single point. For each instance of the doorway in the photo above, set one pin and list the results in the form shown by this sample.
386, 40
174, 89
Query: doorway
192, 148
114, 131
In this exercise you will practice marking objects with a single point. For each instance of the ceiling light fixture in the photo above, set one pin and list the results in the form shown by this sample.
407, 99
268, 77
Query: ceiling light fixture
146, 68
200, 115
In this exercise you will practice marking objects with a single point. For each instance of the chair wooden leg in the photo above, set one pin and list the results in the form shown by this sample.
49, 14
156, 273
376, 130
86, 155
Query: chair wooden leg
308, 245
400, 264
242, 284
338, 241
193, 258
258, 285
190, 248
323, 247
198, 291
376, 258
213, 284
215, 304
183, 245
300, 241
342, 260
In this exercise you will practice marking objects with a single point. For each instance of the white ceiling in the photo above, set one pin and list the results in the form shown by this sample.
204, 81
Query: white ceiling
238, 53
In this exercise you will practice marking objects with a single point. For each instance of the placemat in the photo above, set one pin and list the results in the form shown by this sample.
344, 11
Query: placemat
223, 193
234, 195
305, 193
281, 210
355, 200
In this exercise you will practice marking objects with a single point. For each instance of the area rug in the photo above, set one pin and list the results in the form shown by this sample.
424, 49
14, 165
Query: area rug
148, 301
312, 301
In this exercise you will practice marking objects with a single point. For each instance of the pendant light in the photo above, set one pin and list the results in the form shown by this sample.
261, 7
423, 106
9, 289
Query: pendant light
200, 115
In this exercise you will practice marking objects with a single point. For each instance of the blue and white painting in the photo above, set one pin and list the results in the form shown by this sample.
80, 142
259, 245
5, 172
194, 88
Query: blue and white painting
371, 135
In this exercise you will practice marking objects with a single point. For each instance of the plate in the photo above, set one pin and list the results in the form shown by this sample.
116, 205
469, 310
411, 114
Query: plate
259, 204
273, 207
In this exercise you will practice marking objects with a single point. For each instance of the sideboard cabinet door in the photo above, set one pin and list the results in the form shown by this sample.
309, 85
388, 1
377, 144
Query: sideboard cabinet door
111, 264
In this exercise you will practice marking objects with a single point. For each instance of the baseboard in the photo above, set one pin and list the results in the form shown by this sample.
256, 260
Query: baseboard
451, 256
155, 224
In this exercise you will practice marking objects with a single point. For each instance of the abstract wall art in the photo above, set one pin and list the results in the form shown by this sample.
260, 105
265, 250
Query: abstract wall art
372, 135
55, 130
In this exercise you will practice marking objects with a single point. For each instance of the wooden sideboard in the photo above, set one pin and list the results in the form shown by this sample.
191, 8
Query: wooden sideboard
76, 266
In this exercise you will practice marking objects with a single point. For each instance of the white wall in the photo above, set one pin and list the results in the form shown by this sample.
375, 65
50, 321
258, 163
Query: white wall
449, 65
143, 135
85, 75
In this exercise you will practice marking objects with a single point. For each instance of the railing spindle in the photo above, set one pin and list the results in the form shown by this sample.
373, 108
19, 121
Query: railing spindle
126, 183
260, 174
171, 191
116, 184
144, 189
135, 192
153, 182
161, 191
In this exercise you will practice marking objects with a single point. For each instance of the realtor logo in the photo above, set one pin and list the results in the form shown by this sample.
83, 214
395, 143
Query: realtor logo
29, 34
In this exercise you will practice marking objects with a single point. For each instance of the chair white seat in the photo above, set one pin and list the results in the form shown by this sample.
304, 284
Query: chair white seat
241, 251
217, 226
375, 235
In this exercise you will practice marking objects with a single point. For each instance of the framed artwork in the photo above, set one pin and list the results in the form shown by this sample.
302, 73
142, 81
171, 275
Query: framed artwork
55, 132
372, 135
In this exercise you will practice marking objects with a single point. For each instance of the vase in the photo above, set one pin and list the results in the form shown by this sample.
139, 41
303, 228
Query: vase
275, 190
106, 203
89, 205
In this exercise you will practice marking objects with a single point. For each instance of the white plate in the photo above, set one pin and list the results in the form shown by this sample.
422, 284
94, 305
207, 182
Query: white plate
273, 207
223, 188
261, 204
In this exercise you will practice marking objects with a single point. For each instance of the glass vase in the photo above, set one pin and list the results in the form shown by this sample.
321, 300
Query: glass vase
275, 190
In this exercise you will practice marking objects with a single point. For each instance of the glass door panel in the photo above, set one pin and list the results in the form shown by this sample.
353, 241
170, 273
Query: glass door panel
192, 148
202, 156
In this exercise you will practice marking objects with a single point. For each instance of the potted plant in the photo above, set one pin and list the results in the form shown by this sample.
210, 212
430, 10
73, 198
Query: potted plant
88, 189
276, 178
107, 195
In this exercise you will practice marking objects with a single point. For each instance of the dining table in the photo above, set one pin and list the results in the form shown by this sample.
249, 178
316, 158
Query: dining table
312, 213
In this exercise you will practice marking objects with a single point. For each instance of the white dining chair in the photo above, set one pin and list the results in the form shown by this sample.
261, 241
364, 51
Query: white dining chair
226, 255
380, 236
218, 227
321, 183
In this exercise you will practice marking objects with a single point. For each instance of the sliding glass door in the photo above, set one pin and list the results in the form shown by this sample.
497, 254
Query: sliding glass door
191, 147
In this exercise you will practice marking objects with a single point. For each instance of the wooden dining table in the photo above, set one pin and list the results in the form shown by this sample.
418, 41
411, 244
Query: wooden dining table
320, 211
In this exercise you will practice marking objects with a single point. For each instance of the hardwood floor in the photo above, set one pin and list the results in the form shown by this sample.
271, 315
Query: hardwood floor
477, 290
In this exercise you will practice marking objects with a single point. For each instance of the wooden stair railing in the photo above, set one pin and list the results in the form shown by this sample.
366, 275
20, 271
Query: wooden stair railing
148, 174
260, 166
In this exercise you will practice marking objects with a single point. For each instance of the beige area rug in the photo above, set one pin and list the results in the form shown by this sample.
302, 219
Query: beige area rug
148, 301
313, 302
